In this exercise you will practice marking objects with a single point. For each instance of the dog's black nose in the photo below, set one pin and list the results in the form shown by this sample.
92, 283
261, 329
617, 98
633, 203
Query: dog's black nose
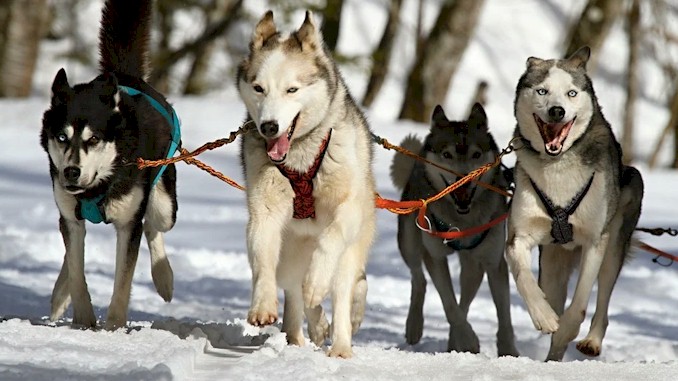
557, 113
269, 129
72, 173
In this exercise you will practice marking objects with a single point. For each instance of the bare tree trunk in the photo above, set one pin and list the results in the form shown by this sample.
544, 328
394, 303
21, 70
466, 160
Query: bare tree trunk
166, 58
593, 27
430, 77
24, 28
420, 40
332, 23
196, 81
634, 34
382, 54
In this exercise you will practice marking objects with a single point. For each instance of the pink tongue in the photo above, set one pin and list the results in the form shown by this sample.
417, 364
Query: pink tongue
278, 148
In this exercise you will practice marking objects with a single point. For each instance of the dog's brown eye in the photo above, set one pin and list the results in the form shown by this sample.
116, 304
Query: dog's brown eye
258, 89
292, 90
93, 140
447, 155
476, 155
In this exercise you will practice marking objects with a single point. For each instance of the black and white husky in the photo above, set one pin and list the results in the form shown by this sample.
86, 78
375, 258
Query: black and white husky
574, 199
93, 134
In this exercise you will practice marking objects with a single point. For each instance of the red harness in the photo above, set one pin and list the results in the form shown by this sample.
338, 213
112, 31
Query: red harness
302, 184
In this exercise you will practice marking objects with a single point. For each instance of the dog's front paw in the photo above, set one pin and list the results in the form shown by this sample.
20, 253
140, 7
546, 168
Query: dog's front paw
315, 289
318, 331
543, 317
589, 347
263, 313
84, 319
340, 351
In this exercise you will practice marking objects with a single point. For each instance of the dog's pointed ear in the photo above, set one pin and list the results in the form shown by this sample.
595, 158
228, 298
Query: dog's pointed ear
438, 117
532, 61
308, 34
264, 30
477, 117
60, 88
579, 58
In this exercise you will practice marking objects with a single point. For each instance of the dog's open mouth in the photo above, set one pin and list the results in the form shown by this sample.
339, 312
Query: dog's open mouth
553, 134
74, 189
462, 196
278, 148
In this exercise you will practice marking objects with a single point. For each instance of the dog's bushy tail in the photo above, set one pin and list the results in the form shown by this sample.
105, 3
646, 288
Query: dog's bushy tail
402, 165
124, 37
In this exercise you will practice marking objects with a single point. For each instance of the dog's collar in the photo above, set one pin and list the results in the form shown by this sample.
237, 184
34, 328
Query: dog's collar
92, 209
561, 229
302, 183
456, 244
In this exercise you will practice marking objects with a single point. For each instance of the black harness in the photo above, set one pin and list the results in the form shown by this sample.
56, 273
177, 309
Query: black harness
561, 229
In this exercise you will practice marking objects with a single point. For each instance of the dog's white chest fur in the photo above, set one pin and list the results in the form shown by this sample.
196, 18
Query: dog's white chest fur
562, 181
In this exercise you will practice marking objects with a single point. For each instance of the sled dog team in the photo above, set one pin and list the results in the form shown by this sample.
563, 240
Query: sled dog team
311, 191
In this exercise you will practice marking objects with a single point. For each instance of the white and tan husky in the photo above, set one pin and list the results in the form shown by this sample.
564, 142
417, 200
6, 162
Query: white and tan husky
310, 188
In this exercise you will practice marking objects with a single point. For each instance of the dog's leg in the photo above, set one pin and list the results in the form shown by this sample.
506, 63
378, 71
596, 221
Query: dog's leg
411, 249
497, 278
293, 316
556, 265
609, 270
570, 321
470, 278
61, 297
359, 300
621, 229
519, 258
161, 271
318, 327
461, 338
264, 240
73, 232
342, 300
127, 251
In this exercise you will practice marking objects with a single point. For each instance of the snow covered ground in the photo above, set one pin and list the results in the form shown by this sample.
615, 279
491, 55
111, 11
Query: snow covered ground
202, 335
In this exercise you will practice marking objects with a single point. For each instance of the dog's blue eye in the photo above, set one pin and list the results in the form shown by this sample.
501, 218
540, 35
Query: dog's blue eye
258, 89
542, 91
572, 93
61, 137
292, 90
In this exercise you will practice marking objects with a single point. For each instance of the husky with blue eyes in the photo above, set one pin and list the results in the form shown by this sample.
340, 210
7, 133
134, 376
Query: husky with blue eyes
93, 134
574, 200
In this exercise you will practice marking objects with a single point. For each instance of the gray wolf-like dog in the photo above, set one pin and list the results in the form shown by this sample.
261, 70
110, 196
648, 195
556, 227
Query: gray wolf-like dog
574, 199
93, 134
310, 188
461, 146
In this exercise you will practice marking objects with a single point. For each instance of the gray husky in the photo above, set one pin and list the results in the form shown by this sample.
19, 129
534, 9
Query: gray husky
310, 188
574, 199
461, 146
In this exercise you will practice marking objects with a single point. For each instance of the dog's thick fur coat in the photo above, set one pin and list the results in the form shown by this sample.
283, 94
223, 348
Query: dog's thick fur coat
571, 162
461, 146
93, 134
297, 99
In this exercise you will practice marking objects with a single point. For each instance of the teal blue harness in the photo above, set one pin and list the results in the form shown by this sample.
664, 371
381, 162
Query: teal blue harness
92, 209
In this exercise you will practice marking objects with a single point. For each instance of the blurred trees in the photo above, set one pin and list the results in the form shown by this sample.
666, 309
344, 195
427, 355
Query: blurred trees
430, 77
22, 26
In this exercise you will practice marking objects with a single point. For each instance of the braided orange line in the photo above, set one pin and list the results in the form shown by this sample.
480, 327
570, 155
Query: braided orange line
408, 153
211, 171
